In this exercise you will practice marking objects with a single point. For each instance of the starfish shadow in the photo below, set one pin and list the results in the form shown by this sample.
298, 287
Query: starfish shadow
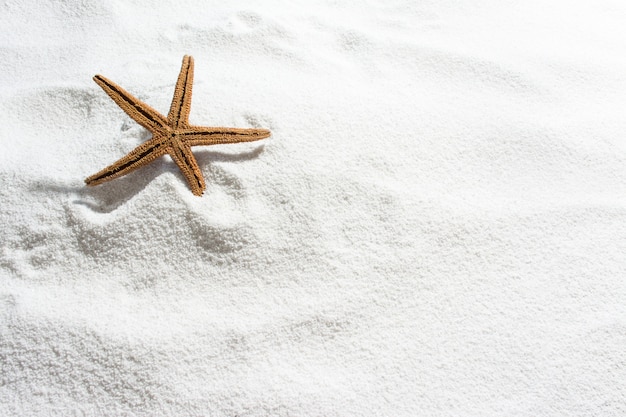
205, 157
108, 196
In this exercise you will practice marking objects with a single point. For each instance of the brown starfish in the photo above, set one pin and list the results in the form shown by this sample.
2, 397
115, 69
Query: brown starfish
172, 135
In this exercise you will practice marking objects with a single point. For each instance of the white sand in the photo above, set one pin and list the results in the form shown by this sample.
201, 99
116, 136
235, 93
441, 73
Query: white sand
437, 226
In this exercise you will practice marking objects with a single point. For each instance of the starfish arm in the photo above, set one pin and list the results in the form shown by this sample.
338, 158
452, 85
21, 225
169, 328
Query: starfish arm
140, 156
181, 103
140, 112
181, 154
199, 135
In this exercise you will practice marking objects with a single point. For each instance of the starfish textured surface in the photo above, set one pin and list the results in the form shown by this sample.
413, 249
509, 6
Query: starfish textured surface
171, 135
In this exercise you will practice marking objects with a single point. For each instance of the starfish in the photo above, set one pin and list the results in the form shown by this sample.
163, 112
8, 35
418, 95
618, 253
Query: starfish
171, 135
